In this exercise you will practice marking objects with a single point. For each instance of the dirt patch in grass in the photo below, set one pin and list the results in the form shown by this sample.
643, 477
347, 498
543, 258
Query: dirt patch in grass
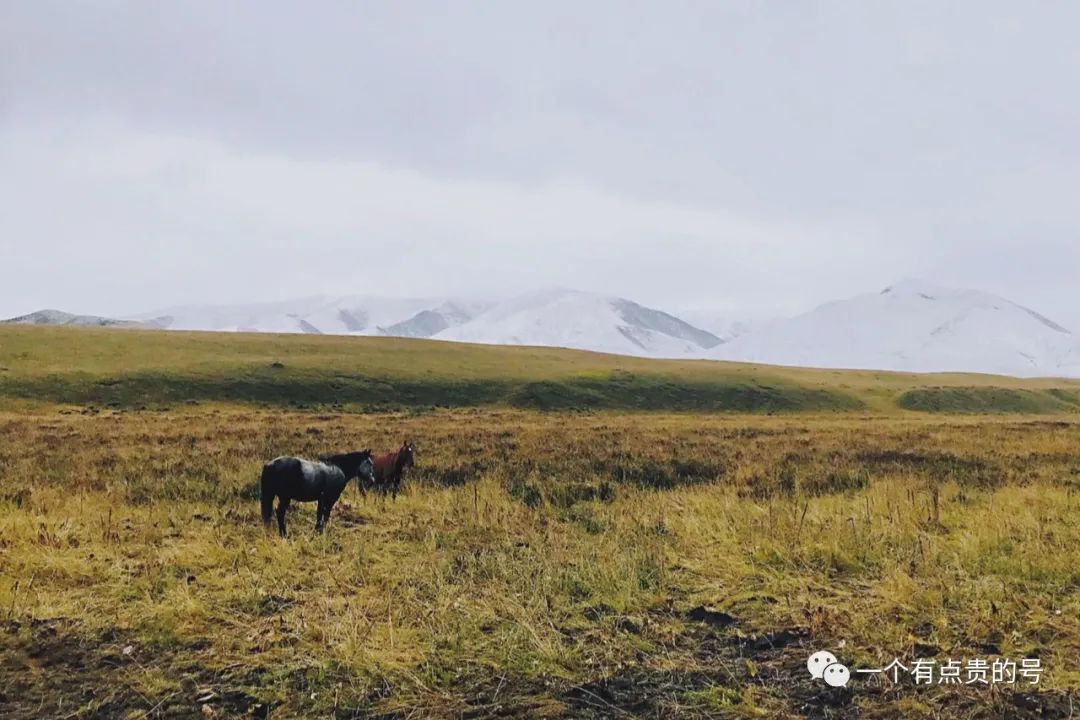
49, 671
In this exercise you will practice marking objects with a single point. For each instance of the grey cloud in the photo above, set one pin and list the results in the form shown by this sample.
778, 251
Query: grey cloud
783, 154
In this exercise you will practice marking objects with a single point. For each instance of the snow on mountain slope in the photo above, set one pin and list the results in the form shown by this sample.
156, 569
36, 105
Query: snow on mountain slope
573, 319
340, 315
916, 326
910, 326
427, 323
59, 317
722, 326
564, 318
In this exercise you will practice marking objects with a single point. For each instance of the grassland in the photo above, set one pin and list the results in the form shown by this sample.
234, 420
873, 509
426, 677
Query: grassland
611, 563
132, 368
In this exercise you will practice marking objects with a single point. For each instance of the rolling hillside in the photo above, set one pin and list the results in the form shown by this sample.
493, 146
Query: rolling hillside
132, 368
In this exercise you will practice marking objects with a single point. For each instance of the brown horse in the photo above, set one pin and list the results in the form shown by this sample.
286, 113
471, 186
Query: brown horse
389, 469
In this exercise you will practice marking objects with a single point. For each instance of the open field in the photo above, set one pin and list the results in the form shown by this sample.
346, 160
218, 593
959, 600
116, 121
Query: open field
541, 564
132, 368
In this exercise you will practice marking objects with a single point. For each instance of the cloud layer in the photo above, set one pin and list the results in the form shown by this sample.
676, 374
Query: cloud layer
756, 160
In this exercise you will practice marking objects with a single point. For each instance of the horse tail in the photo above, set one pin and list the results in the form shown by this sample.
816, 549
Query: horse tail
267, 493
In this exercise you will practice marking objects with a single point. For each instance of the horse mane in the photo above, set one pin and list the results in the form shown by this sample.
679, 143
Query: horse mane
348, 462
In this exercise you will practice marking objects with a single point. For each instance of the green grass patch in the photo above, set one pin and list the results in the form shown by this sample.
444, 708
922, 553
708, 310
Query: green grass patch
151, 369
990, 400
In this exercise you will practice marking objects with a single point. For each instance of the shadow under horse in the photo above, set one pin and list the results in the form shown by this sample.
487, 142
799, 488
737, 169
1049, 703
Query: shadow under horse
322, 481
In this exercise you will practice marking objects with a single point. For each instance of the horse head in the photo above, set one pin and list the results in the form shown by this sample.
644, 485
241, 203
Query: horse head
406, 455
365, 471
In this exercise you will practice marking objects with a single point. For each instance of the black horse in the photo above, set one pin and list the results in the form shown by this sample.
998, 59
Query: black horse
292, 478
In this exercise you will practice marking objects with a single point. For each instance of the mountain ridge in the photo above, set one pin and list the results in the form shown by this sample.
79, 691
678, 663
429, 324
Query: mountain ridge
560, 317
915, 326
50, 316
911, 325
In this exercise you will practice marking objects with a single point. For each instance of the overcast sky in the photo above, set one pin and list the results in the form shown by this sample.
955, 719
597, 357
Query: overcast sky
755, 158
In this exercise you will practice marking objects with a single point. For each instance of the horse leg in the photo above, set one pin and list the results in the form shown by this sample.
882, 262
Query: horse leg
267, 509
282, 508
266, 492
322, 514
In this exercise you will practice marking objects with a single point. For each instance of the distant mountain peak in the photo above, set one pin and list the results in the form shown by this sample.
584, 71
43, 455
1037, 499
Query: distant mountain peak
914, 325
553, 316
656, 320
562, 317
325, 315
915, 286
911, 325
59, 317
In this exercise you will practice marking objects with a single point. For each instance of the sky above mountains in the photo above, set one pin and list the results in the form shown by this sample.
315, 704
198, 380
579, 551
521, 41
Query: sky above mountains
752, 159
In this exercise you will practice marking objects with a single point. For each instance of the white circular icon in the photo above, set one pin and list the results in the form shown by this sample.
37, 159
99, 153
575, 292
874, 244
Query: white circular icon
837, 675
818, 662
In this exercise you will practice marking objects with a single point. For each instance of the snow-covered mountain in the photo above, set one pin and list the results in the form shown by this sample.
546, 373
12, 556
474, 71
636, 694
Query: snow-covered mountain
909, 326
573, 319
916, 326
59, 317
719, 324
560, 318
338, 315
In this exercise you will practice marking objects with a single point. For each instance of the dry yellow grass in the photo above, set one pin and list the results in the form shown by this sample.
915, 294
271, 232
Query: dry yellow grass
538, 565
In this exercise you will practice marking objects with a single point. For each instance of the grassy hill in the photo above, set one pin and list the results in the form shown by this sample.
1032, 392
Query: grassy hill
130, 368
